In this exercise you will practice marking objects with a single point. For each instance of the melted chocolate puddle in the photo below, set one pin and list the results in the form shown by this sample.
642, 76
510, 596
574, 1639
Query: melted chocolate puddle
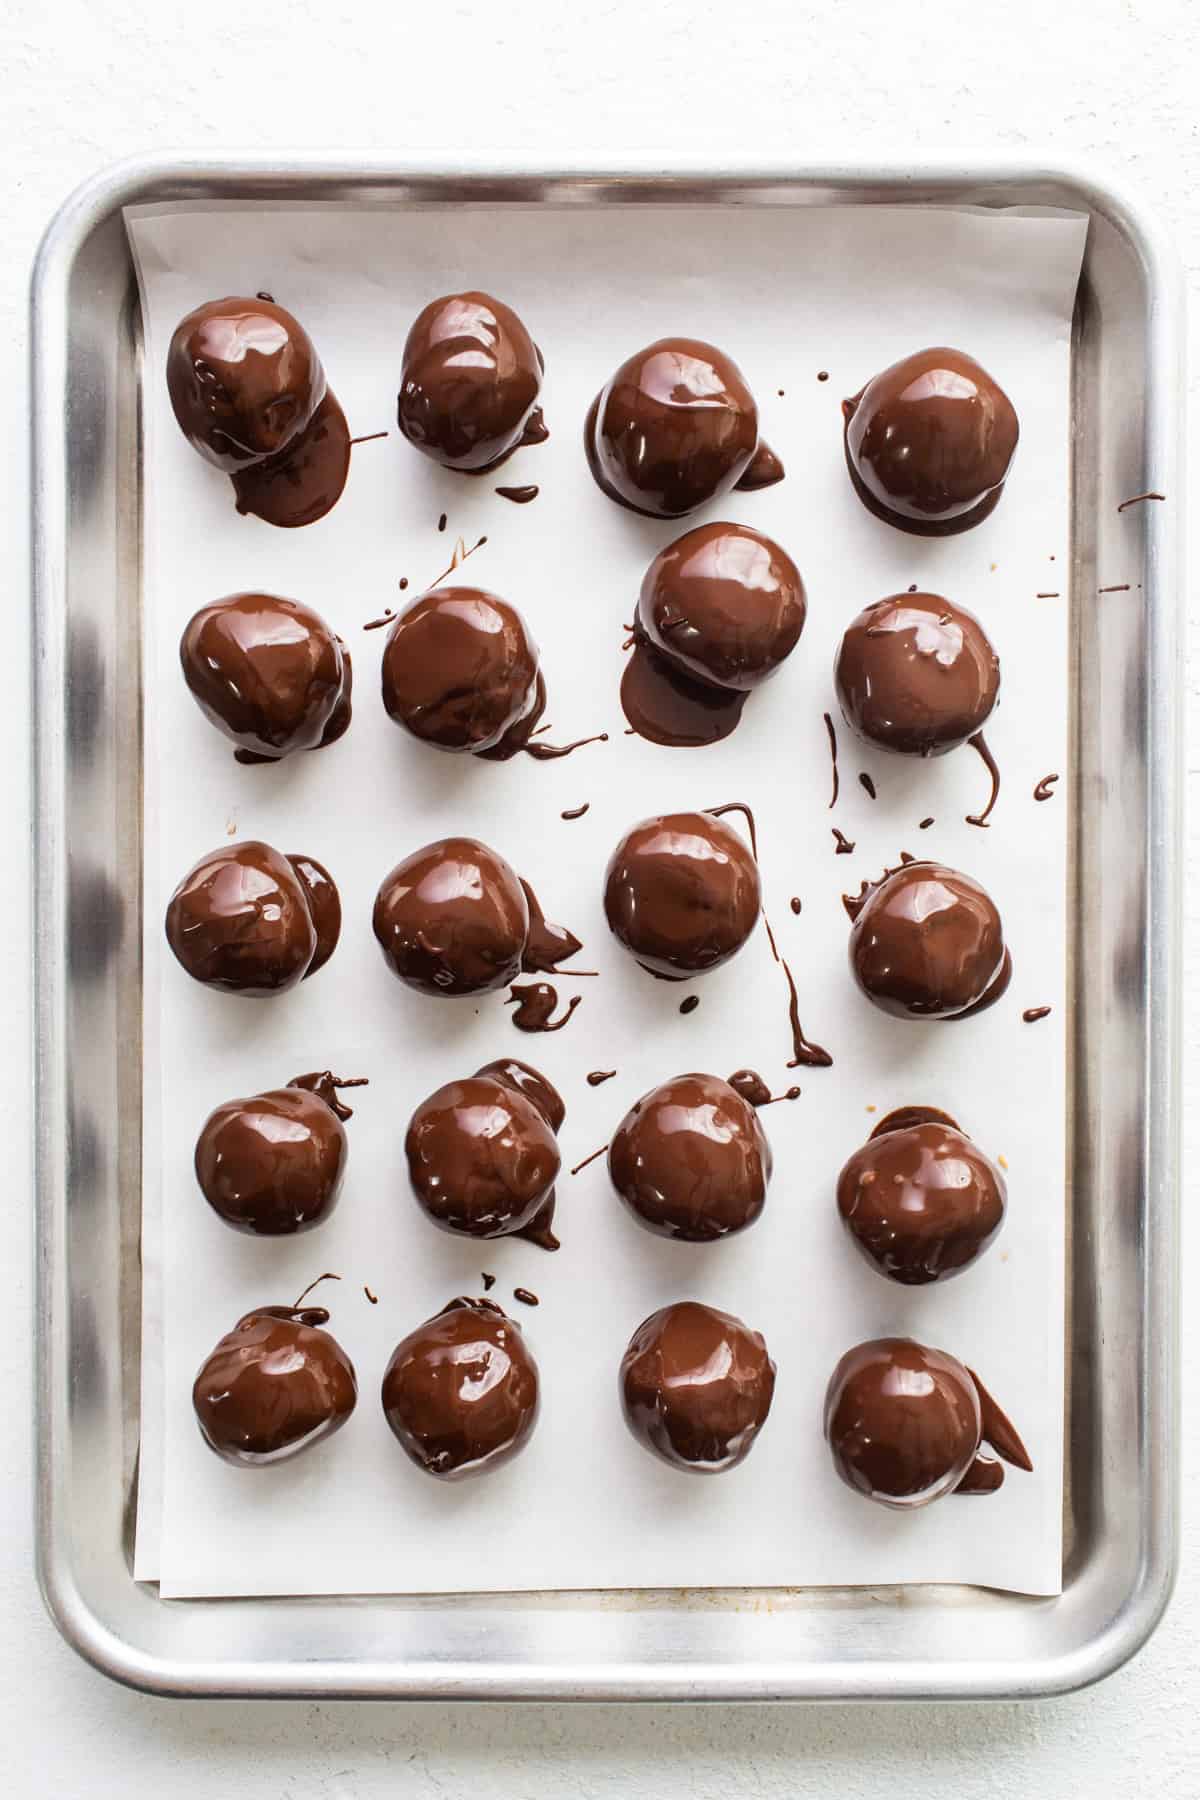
978, 742
665, 706
520, 496
833, 758
306, 480
1043, 789
535, 1001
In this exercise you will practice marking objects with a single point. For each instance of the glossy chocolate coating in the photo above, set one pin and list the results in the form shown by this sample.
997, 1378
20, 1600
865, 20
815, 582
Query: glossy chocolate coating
526, 1080
274, 1385
452, 918
675, 427
250, 920
470, 383
267, 672
724, 603
303, 482
927, 943
482, 1158
916, 674
921, 1202
929, 442
461, 1391
682, 893
690, 1160
244, 379
696, 1387
460, 669
272, 1164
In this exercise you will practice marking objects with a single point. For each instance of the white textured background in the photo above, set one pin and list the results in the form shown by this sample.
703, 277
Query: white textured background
85, 81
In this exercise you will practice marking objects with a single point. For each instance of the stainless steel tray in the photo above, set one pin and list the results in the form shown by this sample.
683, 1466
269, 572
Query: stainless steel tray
1120, 1523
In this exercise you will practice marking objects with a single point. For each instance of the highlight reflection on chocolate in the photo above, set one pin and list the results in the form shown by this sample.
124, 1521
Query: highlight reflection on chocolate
470, 384
273, 1164
904, 1424
696, 1387
919, 1200
274, 1385
482, 1155
454, 918
461, 1391
929, 443
675, 427
269, 674
249, 393
720, 610
682, 893
249, 920
690, 1160
916, 674
927, 943
460, 672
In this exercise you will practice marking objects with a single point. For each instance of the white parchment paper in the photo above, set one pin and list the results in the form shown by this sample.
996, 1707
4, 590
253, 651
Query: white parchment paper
788, 293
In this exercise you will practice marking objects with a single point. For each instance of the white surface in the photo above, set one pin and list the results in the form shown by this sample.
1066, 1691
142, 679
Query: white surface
573, 563
86, 83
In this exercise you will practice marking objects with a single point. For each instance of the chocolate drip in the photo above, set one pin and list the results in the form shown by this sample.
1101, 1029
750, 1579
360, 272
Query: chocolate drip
546, 944
804, 1054
325, 1086
833, 757
998, 1429
977, 742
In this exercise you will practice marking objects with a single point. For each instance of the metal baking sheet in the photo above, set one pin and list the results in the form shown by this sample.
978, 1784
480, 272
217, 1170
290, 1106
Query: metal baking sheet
1119, 1517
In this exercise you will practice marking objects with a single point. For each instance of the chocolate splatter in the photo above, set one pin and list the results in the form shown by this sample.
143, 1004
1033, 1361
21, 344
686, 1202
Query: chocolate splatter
551, 752
843, 845
535, 1001
924, 824
1043, 790
520, 496
1122, 587
373, 1298
690, 1004
575, 812
269, 298
866, 783
525, 1297
589, 1159
1047, 596
1134, 499
795, 903
1032, 1014
370, 438
822, 374
489, 1281
389, 618
598, 1076
442, 523
402, 583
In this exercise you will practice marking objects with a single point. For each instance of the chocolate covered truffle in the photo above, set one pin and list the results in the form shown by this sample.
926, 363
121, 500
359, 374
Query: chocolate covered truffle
916, 674
928, 943
696, 1387
482, 1158
919, 1199
274, 1385
461, 1391
470, 383
273, 1164
904, 1424
929, 443
720, 610
249, 393
250, 920
460, 672
690, 1160
675, 427
453, 918
269, 673
682, 893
